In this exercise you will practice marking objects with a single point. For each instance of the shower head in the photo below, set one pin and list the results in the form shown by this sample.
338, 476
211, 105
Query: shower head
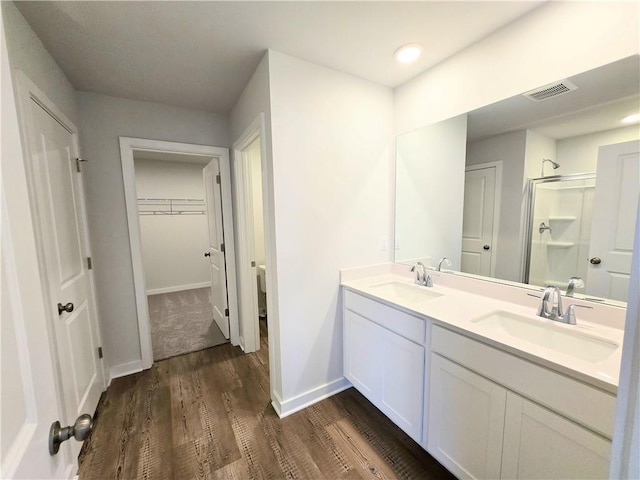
554, 164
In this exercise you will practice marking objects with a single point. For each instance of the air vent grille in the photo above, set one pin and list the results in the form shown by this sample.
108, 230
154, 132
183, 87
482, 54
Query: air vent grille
549, 91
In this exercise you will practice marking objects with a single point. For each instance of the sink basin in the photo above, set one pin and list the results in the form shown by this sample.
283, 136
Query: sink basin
404, 292
544, 333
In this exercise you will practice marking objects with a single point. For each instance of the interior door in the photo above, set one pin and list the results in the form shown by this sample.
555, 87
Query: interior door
477, 223
216, 245
63, 239
614, 216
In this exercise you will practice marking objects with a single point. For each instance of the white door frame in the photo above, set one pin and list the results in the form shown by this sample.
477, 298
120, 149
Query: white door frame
250, 341
127, 147
497, 203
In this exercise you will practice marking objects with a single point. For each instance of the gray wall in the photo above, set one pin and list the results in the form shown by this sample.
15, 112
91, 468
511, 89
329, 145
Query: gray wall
103, 119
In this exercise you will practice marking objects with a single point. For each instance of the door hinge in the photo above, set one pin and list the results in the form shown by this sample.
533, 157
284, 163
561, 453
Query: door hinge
218, 181
89, 263
78, 160
100, 355
226, 312
222, 247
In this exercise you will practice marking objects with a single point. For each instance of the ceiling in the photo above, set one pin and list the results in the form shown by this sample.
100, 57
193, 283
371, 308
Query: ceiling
201, 54
604, 96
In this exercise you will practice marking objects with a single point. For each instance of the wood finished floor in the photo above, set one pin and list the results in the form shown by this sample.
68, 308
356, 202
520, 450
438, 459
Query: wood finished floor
208, 415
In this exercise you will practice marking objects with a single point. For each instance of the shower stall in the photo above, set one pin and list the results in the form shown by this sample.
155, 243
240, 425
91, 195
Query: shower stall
559, 229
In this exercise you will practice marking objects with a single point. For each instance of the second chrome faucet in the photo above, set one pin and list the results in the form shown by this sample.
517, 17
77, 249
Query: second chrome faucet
421, 275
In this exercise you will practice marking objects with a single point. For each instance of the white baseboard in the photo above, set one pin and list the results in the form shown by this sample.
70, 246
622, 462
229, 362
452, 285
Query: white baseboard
178, 288
304, 400
125, 369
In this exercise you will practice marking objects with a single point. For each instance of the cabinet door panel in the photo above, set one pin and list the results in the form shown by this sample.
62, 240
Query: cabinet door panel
402, 368
361, 354
466, 420
541, 444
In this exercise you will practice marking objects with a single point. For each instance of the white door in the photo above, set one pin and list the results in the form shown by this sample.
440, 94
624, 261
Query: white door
614, 216
478, 221
541, 444
215, 254
466, 420
64, 246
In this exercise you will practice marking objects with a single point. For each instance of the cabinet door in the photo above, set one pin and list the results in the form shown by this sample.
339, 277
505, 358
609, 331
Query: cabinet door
541, 444
402, 382
466, 420
361, 354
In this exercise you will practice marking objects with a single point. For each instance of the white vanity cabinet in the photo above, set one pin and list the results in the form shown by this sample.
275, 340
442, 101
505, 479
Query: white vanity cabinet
384, 359
480, 428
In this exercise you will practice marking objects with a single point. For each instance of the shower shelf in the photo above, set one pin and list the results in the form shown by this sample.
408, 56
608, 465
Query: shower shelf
560, 244
562, 219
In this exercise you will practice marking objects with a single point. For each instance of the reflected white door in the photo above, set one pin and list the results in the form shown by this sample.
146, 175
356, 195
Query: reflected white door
614, 215
64, 241
216, 245
478, 221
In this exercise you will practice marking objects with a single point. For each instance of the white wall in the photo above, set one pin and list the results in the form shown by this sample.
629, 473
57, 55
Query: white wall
332, 169
510, 150
556, 40
28, 54
103, 120
428, 198
580, 154
173, 246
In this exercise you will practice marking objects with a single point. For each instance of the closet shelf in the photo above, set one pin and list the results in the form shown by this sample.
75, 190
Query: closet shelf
171, 206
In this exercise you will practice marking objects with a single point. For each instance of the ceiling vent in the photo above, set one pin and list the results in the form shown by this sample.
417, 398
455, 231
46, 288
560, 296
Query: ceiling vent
549, 91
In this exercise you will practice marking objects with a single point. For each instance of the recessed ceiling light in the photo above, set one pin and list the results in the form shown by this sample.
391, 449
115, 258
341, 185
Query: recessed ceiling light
632, 118
408, 53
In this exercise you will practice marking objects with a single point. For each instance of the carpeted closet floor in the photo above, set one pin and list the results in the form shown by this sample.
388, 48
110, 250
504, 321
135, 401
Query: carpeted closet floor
182, 322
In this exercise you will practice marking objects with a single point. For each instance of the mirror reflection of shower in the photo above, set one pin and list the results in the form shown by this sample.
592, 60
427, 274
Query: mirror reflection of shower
555, 165
559, 229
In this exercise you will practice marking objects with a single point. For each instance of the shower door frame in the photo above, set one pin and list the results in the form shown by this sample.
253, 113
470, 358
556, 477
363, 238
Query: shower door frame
531, 197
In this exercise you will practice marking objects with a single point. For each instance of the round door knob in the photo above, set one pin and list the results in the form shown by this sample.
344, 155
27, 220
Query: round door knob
65, 308
595, 261
80, 430
486, 247
207, 254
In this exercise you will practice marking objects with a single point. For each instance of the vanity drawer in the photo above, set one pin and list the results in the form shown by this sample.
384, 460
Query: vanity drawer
572, 398
410, 327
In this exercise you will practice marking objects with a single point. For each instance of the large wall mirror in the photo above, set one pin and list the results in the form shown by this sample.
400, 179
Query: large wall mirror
540, 189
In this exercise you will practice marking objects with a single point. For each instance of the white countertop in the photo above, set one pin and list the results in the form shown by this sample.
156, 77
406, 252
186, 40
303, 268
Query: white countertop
457, 309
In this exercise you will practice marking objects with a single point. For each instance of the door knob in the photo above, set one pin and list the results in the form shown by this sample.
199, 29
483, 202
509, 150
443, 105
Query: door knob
65, 308
595, 261
80, 430
207, 254
486, 247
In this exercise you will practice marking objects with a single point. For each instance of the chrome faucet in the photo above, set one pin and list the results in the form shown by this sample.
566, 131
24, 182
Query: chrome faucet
556, 312
444, 260
574, 282
421, 276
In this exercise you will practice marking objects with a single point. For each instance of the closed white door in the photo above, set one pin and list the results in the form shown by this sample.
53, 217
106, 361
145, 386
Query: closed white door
478, 221
59, 209
216, 251
541, 444
614, 216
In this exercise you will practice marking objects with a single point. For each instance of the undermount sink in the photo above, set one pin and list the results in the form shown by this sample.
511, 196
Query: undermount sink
404, 291
546, 334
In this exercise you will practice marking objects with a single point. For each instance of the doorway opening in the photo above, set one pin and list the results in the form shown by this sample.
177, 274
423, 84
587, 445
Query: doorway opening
173, 217
249, 178
178, 199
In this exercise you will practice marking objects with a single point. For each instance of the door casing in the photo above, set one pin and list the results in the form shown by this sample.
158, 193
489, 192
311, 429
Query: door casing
128, 146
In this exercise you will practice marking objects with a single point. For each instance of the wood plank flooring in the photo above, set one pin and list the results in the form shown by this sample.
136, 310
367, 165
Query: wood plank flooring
208, 415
